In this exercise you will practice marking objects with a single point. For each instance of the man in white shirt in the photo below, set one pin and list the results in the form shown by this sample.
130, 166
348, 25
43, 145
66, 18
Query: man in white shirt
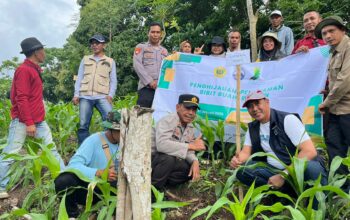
280, 134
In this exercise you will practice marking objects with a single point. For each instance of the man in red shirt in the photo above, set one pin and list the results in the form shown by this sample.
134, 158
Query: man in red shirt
27, 111
310, 21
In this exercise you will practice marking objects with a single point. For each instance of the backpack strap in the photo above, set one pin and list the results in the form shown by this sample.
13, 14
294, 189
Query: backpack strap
105, 148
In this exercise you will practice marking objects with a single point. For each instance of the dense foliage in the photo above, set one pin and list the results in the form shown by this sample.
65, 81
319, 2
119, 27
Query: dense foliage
124, 22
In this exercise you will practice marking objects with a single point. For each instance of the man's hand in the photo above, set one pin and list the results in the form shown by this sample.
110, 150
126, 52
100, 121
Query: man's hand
112, 174
75, 100
31, 130
276, 181
109, 99
197, 144
235, 162
303, 49
322, 109
199, 50
195, 171
153, 85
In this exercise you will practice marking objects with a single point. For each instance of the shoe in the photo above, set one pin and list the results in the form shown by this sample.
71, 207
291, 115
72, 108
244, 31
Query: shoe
4, 195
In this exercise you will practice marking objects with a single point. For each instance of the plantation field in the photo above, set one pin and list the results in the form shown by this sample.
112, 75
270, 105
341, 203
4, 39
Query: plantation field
215, 196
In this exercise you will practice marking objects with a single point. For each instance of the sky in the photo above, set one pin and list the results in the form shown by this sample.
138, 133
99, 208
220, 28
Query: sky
51, 21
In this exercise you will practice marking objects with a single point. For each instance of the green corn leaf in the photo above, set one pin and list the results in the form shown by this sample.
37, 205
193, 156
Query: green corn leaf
62, 214
336, 162
277, 207
169, 204
296, 214
50, 160
217, 205
90, 196
200, 212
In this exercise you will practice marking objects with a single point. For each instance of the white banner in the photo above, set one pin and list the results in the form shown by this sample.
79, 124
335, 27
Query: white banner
292, 84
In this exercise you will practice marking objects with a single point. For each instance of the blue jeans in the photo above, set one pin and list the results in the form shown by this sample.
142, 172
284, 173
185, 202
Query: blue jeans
15, 141
261, 175
86, 107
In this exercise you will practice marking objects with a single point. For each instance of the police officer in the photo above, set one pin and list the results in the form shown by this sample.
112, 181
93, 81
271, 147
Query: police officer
173, 149
147, 62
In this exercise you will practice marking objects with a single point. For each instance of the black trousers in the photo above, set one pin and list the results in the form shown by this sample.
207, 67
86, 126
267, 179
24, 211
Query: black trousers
146, 96
169, 170
338, 139
67, 181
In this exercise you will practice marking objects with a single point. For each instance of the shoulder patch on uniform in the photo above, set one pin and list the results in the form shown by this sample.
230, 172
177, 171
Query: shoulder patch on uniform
138, 50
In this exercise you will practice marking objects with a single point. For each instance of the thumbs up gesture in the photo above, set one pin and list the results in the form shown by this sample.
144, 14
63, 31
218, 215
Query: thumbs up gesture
197, 144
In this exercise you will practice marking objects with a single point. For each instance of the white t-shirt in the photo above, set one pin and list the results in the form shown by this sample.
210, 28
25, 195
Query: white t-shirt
294, 129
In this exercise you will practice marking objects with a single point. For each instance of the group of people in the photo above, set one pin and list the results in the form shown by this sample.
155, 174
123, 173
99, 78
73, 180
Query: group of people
174, 140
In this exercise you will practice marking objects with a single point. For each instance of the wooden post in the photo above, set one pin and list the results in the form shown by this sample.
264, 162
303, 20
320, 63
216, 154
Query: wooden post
134, 172
238, 120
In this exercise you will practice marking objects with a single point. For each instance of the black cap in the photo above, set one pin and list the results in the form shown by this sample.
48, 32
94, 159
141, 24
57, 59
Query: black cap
30, 44
217, 40
189, 100
98, 37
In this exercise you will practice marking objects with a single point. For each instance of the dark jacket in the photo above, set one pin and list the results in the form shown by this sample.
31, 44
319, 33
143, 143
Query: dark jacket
280, 143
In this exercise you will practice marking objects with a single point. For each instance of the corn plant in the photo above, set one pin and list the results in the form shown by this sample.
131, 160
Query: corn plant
240, 210
157, 207
5, 119
108, 199
63, 119
125, 101
42, 198
208, 131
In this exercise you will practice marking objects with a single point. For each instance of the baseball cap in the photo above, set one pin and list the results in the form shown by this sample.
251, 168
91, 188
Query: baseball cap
98, 37
276, 12
256, 95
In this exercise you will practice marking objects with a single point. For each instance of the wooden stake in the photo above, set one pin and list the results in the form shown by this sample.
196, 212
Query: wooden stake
238, 120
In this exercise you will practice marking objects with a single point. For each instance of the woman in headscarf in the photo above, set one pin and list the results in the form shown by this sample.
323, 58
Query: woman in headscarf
186, 47
269, 47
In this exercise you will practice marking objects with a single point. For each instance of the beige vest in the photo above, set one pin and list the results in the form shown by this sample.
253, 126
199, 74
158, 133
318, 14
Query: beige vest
96, 78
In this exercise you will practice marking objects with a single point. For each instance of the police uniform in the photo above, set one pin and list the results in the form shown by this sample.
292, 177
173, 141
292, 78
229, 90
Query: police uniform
147, 61
171, 159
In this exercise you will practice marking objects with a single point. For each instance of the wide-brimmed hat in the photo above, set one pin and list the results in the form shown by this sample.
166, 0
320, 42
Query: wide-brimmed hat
217, 40
331, 20
273, 35
30, 44
98, 37
189, 100
113, 120
256, 95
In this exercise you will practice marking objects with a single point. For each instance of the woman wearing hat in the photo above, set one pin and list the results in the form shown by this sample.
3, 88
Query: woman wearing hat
217, 47
269, 47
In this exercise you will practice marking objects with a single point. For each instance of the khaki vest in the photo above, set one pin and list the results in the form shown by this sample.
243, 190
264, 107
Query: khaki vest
96, 80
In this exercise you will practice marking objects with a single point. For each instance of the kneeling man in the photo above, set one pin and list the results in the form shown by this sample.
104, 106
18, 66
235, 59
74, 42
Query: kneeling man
280, 134
91, 160
173, 151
